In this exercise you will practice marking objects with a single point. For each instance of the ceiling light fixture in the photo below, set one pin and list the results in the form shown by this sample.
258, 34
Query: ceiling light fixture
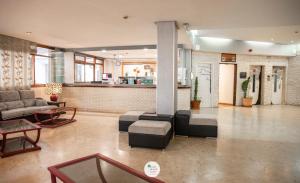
145, 49
103, 51
28, 33
259, 43
186, 26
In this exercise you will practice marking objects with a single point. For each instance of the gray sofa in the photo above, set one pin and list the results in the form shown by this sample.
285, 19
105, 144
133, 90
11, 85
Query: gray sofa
20, 104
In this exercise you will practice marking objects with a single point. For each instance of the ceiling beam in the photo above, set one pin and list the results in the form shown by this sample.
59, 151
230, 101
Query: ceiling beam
108, 48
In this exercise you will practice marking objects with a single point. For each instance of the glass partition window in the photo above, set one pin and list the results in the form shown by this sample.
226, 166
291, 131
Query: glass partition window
42, 70
89, 73
41, 62
79, 72
88, 68
90, 60
98, 72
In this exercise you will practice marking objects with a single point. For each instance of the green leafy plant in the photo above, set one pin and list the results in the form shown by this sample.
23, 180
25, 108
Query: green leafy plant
196, 90
245, 86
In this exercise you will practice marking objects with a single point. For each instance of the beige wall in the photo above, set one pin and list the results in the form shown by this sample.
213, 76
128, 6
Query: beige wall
243, 65
245, 61
293, 81
119, 100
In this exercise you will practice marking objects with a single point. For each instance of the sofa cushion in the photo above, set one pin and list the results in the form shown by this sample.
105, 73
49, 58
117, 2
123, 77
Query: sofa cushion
40, 102
29, 102
13, 113
150, 127
31, 110
8, 96
14, 104
3, 107
204, 119
131, 116
26, 94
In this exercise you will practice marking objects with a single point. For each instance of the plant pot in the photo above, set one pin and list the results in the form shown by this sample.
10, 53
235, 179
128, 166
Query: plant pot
195, 104
247, 102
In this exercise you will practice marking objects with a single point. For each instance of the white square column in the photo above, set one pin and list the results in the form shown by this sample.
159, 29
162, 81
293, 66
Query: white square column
166, 89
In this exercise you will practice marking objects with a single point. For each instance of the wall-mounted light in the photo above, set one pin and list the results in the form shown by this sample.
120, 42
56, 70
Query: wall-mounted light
197, 47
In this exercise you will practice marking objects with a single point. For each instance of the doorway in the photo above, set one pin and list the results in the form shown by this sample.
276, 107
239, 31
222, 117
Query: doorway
227, 84
278, 85
204, 73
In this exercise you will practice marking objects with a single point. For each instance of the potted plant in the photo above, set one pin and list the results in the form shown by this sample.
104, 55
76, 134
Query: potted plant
247, 101
195, 103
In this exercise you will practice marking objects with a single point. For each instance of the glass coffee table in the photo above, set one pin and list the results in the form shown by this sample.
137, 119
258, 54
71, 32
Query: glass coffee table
97, 168
20, 144
52, 118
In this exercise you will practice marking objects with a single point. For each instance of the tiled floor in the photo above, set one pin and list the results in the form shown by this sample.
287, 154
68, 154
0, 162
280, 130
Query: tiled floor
259, 144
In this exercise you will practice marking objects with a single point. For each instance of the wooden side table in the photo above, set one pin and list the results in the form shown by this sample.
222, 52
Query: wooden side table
57, 103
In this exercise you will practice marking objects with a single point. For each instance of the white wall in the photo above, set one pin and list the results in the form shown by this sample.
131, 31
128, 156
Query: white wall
245, 61
212, 58
243, 65
293, 81
242, 47
226, 83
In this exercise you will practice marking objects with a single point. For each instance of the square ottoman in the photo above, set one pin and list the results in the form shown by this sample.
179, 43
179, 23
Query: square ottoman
150, 133
128, 118
203, 125
182, 120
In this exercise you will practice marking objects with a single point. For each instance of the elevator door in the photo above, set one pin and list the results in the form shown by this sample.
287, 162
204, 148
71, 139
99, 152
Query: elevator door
254, 86
203, 72
277, 85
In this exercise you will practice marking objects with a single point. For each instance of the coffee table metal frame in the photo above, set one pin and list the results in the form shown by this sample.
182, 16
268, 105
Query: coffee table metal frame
4, 134
54, 114
55, 173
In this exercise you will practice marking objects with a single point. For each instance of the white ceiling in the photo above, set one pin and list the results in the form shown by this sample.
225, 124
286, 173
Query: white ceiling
147, 54
90, 23
281, 35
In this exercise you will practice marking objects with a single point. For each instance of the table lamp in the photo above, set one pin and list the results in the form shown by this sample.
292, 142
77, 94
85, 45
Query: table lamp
53, 89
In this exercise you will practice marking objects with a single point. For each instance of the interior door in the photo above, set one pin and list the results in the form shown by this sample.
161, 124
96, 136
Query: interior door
277, 85
203, 72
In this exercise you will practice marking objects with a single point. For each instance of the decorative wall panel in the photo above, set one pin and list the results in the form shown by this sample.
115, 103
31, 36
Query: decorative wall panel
15, 62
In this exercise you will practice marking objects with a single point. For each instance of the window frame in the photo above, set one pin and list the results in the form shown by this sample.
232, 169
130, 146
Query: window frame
33, 55
87, 63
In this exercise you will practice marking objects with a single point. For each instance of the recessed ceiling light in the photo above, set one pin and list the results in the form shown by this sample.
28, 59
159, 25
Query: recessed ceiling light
103, 50
28, 33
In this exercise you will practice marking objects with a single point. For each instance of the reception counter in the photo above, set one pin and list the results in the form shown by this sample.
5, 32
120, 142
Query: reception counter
115, 98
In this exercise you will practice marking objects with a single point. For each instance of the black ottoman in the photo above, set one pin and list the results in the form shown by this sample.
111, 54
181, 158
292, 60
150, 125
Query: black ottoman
152, 131
150, 134
182, 119
128, 118
203, 125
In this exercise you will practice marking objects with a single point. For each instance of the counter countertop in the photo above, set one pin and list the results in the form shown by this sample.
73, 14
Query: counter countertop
115, 85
